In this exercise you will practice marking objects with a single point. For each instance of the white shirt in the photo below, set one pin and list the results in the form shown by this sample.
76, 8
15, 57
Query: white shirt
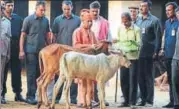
95, 28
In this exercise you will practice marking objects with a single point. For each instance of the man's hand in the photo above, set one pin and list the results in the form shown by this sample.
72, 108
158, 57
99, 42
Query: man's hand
21, 55
161, 53
154, 56
114, 41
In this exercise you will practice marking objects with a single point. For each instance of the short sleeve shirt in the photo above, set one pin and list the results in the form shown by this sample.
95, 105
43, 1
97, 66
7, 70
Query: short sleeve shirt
63, 28
36, 29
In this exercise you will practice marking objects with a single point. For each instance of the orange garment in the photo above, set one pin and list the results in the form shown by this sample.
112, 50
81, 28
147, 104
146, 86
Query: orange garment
83, 38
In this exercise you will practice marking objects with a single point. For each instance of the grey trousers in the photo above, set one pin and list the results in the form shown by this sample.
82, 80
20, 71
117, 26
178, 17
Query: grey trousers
129, 82
3, 61
33, 72
146, 79
175, 81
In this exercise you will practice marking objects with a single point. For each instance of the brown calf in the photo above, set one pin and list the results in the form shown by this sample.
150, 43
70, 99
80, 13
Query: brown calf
49, 65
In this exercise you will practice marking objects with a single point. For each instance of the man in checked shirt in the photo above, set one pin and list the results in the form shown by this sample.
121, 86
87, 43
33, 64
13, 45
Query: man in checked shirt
5, 35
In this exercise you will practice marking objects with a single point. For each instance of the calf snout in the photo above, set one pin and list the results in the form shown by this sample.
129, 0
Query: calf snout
128, 64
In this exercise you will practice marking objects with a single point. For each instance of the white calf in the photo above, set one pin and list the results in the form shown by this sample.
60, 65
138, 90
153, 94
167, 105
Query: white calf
95, 67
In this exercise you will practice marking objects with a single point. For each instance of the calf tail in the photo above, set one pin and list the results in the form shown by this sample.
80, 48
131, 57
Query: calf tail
41, 66
63, 68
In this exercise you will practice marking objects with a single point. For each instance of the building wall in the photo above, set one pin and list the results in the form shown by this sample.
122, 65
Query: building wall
21, 7
115, 10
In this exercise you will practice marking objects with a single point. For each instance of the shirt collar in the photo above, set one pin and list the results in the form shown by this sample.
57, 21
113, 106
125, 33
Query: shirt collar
9, 18
130, 28
98, 19
174, 20
63, 16
148, 16
12, 16
36, 17
3, 18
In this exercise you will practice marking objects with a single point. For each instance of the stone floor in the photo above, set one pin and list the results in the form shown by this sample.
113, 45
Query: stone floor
161, 98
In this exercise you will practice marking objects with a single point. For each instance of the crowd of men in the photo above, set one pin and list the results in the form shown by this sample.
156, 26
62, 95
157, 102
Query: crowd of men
23, 39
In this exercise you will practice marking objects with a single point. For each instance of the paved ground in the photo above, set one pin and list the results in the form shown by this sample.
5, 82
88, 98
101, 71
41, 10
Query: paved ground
161, 98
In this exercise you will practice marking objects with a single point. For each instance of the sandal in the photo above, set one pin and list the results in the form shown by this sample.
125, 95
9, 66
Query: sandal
80, 106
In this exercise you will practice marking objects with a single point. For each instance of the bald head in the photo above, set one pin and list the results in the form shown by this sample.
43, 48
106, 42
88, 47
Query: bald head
86, 18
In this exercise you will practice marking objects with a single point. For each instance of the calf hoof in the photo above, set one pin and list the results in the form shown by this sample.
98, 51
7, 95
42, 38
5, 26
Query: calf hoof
47, 104
89, 107
39, 104
51, 107
68, 107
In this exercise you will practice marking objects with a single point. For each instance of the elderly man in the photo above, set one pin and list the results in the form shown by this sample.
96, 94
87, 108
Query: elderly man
150, 46
171, 26
175, 68
15, 65
83, 38
101, 30
134, 11
34, 34
63, 28
127, 33
5, 35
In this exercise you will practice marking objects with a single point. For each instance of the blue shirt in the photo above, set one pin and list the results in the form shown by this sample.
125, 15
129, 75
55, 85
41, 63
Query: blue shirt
16, 25
63, 28
176, 54
151, 35
170, 37
36, 29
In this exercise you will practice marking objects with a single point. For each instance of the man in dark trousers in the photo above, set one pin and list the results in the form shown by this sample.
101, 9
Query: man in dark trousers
175, 68
150, 46
63, 28
171, 26
15, 65
34, 36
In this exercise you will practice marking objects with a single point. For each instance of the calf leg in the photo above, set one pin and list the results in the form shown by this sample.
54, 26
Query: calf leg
102, 95
89, 93
80, 92
40, 82
84, 91
44, 89
68, 84
39, 91
56, 88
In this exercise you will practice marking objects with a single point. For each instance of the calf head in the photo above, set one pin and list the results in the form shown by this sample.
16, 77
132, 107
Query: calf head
123, 60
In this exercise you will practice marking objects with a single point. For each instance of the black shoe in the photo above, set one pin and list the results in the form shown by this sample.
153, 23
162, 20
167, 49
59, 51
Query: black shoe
124, 104
106, 103
149, 104
176, 107
73, 102
3, 100
169, 105
31, 101
141, 104
19, 97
